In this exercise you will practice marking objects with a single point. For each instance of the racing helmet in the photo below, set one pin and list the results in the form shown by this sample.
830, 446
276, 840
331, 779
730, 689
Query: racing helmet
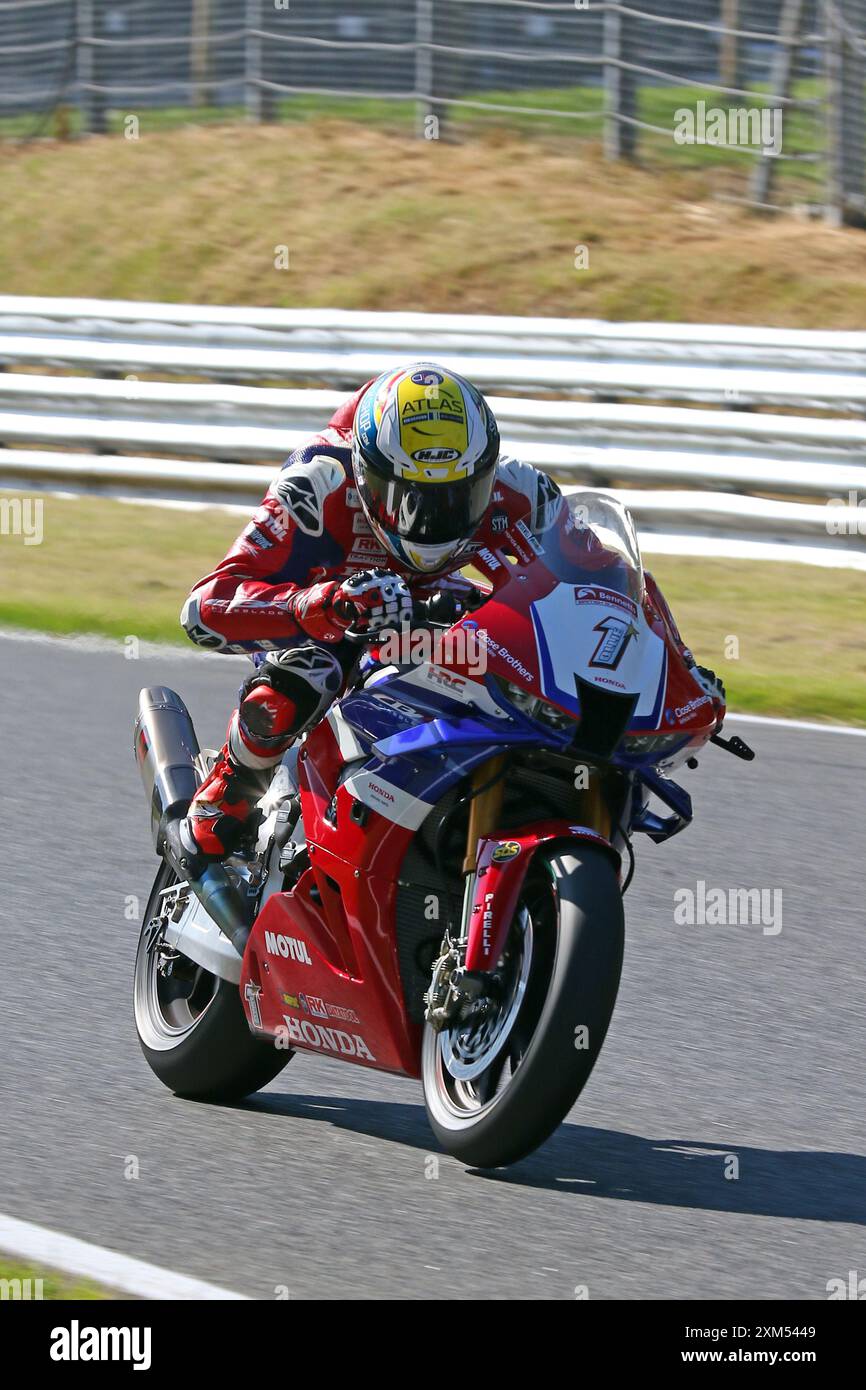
424, 451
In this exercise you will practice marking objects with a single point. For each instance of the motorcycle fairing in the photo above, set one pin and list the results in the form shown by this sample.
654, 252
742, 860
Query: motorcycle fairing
371, 772
342, 909
309, 1000
530, 608
614, 648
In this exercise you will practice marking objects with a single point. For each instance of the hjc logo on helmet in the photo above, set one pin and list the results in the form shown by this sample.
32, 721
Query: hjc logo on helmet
436, 455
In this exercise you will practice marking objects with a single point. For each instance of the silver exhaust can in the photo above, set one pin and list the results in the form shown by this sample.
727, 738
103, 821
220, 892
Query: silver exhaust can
166, 748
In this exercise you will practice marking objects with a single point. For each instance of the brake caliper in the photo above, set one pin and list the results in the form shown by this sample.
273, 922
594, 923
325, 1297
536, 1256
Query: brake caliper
457, 995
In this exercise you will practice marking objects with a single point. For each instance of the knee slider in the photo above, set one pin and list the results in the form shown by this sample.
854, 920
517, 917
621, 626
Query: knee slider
308, 676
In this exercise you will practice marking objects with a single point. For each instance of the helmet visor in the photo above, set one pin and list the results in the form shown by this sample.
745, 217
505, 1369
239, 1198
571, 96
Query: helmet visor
424, 513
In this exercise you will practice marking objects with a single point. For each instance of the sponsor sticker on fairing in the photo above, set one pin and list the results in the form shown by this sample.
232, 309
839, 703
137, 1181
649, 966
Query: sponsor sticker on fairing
595, 593
489, 559
311, 1003
303, 1031
447, 681
289, 947
686, 711
509, 849
530, 539
320, 1008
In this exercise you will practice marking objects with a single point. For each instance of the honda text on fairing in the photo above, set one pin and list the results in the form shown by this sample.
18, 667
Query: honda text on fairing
433, 886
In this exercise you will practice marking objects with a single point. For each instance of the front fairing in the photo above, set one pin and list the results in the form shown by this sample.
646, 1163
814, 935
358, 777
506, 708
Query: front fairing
567, 652
568, 621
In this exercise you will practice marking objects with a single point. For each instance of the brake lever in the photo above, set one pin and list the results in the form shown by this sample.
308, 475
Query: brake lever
734, 745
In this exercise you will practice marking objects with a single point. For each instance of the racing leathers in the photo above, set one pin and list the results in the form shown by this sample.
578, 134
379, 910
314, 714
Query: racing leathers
303, 573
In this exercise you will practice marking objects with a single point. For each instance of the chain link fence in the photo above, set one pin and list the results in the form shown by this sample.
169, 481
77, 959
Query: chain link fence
768, 96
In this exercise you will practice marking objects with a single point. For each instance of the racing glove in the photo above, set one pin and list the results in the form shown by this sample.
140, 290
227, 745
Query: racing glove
315, 612
353, 608
373, 600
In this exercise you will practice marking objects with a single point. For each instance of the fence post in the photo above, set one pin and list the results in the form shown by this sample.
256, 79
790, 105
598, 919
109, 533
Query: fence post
846, 114
620, 88
781, 80
424, 106
729, 45
91, 103
259, 102
200, 55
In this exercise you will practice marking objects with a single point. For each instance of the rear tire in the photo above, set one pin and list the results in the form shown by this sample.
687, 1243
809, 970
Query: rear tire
193, 1031
576, 943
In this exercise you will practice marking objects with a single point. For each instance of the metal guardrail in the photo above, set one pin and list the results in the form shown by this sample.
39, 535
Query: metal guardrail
717, 365
243, 421
599, 464
709, 514
638, 427
722, 472
239, 326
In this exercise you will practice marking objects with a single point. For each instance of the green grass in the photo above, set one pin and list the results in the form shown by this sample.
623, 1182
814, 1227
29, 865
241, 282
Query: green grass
567, 113
108, 568
54, 1286
375, 219
797, 630
117, 570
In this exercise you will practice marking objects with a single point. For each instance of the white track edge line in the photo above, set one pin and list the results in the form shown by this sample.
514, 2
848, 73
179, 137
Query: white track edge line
811, 725
118, 1273
164, 651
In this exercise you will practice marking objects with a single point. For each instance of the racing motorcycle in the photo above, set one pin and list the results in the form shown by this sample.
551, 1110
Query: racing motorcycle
433, 883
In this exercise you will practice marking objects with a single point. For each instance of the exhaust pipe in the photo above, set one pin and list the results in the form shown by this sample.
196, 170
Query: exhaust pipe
166, 748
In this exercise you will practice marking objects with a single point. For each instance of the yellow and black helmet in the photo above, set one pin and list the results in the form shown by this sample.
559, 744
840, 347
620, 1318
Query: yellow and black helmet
425, 448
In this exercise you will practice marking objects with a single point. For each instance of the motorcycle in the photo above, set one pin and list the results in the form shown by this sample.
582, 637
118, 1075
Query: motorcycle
433, 883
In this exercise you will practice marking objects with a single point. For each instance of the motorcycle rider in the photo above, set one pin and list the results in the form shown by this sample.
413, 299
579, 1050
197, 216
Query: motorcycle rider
379, 510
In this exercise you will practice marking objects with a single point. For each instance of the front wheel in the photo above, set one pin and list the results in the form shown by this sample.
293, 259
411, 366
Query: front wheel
191, 1024
497, 1089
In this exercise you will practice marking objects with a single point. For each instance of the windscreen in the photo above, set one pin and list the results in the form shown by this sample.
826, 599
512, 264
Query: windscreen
598, 544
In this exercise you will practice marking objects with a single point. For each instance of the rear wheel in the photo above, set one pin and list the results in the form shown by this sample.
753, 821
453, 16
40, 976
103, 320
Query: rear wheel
190, 1023
497, 1089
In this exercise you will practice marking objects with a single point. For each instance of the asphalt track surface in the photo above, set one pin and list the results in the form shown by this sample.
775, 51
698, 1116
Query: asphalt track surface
726, 1041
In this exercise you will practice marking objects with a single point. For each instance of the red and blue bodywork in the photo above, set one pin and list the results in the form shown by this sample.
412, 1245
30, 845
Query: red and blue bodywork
572, 656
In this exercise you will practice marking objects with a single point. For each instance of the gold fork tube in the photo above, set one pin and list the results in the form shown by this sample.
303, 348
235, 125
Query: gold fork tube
484, 809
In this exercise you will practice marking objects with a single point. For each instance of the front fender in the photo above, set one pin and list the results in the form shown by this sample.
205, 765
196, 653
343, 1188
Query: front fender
503, 862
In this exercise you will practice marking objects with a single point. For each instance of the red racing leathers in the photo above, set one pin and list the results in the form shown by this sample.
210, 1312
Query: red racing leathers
272, 597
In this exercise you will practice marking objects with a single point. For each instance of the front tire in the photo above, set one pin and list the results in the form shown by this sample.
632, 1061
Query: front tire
570, 926
191, 1024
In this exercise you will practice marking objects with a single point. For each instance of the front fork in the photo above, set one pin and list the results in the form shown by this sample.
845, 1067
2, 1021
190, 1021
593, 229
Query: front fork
453, 990
494, 872
488, 789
